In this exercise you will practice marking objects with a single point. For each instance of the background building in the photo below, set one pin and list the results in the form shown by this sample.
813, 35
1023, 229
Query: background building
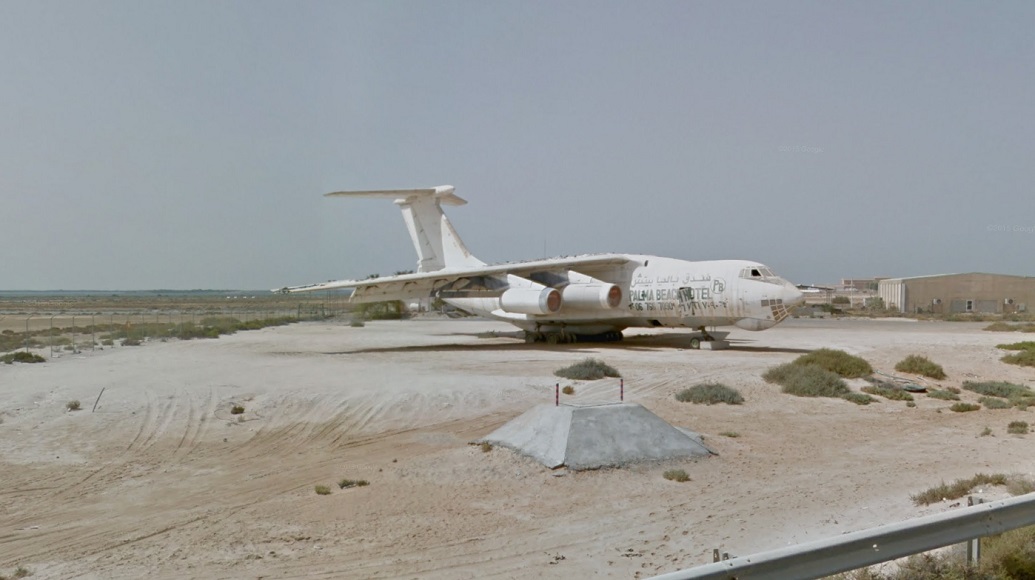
959, 293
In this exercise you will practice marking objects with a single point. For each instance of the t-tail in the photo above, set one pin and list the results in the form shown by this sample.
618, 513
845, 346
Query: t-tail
437, 243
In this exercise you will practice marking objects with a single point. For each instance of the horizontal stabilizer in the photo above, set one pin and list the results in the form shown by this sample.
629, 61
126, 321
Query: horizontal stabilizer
443, 193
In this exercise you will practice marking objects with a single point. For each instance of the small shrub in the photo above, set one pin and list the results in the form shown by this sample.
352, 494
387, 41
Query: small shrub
357, 323
710, 394
957, 489
1024, 358
806, 381
72, 405
985, 432
1015, 393
237, 410
131, 342
730, 434
995, 403
1017, 428
347, 483
1018, 485
108, 342
912, 404
943, 394
1001, 327
676, 475
888, 391
486, 447
859, 398
836, 361
920, 365
22, 357
841, 300
588, 370
568, 390
964, 407
21, 572
1026, 345
322, 490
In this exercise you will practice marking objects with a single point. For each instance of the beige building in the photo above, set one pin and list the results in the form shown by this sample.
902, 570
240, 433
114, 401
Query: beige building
959, 293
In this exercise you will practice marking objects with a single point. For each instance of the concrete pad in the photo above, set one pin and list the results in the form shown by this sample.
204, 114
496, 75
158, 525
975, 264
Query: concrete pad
594, 436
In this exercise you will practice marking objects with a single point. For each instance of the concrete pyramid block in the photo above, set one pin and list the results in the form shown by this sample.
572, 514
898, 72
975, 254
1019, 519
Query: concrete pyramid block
593, 436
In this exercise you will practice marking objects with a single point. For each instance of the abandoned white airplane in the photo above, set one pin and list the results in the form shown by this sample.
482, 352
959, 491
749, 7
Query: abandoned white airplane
592, 297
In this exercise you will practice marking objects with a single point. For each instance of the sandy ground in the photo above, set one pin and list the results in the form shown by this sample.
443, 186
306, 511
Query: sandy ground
163, 482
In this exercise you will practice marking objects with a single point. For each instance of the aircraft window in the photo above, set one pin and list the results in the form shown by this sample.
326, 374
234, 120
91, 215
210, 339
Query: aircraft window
755, 273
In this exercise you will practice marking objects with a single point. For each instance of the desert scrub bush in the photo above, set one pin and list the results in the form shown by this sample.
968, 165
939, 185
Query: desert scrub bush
356, 323
887, 390
568, 390
131, 342
1000, 388
237, 410
1024, 358
1007, 327
322, 490
107, 342
943, 394
957, 489
72, 405
995, 403
676, 475
485, 446
806, 381
859, 398
836, 361
1017, 428
920, 365
1019, 485
1026, 345
590, 369
730, 434
964, 407
22, 357
710, 394
347, 483
985, 432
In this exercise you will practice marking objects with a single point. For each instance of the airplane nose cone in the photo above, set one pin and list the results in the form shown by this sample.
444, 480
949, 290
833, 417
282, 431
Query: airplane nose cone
791, 295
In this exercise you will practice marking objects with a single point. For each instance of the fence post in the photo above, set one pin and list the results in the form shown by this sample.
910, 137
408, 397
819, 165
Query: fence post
73, 334
974, 544
27, 333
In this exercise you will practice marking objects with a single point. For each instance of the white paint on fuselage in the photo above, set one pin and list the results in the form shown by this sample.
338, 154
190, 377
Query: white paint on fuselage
669, 293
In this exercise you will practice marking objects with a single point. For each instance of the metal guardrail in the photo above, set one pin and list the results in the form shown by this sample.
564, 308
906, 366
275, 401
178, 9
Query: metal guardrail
873, 546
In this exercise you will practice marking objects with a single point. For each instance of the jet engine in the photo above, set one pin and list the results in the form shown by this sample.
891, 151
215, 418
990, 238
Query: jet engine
531, 300
591, 296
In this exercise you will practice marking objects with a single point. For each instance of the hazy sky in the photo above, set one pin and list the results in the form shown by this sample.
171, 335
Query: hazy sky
188, 144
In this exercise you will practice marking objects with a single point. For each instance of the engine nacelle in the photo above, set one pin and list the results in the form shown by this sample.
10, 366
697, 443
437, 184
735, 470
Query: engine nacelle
591, 296
531, 300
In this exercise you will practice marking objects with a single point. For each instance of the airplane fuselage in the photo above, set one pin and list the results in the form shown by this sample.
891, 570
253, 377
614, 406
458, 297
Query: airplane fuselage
664, 292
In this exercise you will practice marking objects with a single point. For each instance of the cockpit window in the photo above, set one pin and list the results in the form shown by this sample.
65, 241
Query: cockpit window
760, 273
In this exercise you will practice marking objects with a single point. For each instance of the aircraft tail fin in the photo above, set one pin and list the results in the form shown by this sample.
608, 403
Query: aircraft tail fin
437, 243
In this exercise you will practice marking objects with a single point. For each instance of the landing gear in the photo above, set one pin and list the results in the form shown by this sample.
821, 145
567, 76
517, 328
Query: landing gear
704, 333
709, 341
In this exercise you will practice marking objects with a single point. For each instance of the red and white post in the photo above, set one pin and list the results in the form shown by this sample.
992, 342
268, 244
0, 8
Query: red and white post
557, 395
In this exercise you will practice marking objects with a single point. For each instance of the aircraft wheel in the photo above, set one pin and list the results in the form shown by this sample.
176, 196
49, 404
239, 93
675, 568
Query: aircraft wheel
695, 343
553, 338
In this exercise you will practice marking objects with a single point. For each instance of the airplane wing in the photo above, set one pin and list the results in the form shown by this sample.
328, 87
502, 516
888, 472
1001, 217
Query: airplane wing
425, 284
